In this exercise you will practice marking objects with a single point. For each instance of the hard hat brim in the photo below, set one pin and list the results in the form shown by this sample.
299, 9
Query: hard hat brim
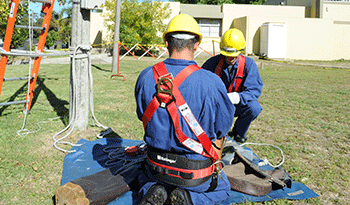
197, 34
231, 54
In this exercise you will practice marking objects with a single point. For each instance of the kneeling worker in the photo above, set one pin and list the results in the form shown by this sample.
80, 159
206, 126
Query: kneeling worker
242, 79
186, 113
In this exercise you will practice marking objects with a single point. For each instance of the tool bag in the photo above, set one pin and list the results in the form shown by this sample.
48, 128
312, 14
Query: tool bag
246, 176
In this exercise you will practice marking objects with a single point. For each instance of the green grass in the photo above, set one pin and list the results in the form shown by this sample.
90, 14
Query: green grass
306, 113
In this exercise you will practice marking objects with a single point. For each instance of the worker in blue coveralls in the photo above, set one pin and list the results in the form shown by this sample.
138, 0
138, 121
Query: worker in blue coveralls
186, 114
242, 79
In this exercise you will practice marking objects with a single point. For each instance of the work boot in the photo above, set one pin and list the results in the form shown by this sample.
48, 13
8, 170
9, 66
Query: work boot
71, 194
180, 197
237, 137
156, 195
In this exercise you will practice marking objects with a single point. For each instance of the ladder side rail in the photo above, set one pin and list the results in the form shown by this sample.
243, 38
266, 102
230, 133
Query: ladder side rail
7, 41
47, 8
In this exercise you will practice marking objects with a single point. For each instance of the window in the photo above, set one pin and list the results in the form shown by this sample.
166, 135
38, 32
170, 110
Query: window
209, 27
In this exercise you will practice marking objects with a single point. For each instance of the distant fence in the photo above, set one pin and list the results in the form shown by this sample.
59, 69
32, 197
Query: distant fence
161, 50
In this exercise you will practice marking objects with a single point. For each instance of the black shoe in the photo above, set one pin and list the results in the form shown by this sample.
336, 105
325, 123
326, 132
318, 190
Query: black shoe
156, 195
240, 139
237, 137
180, 197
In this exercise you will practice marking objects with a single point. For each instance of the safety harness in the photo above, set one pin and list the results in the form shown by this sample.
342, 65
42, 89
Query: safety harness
237, 82
169, 167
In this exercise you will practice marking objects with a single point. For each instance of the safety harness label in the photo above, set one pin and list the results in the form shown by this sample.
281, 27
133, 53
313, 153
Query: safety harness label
193, 145
190, 119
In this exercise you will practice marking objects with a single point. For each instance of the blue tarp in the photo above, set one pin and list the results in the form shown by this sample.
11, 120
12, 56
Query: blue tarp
85, 161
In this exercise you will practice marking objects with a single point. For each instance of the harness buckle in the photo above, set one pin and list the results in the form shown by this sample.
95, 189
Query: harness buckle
219, 165
163, 80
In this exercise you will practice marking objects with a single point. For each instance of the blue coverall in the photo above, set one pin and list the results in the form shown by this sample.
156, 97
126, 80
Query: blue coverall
248, 108
206, 95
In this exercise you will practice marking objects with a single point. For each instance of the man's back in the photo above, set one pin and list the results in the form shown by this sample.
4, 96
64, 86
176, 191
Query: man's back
206, 96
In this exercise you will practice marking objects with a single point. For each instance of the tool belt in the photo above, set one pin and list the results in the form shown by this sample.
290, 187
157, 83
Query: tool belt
177, 170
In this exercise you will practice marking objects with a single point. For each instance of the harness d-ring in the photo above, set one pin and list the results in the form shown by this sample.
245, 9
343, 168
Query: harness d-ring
163, 80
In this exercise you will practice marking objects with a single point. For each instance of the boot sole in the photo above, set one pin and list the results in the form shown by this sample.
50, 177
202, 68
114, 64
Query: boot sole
178, 197
157, 197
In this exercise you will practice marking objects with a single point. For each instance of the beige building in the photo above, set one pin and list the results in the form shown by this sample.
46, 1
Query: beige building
281, 29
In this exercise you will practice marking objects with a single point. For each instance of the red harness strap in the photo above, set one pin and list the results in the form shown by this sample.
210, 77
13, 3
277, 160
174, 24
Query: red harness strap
239, 74
166, 100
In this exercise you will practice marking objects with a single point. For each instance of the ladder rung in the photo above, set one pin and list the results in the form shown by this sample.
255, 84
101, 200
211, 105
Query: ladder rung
30, 27
13, 103
42, 1
19, 78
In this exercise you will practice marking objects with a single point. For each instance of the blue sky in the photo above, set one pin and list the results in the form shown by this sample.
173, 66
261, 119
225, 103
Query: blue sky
36, 7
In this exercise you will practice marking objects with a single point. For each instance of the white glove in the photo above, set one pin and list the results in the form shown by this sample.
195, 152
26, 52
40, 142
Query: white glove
234, 97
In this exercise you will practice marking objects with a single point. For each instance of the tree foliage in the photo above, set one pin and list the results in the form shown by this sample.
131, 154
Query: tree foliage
60, 27
140, 22
19, 36
220, 2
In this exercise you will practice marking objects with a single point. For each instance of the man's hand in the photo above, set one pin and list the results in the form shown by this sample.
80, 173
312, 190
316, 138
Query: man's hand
234, 97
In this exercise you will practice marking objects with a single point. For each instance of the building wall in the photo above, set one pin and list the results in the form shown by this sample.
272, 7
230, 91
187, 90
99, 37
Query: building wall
336, 11
98, 32
233, 11
175, 10
307, 38
341, 41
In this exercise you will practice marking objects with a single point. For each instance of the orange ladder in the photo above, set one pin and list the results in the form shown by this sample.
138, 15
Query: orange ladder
47, 9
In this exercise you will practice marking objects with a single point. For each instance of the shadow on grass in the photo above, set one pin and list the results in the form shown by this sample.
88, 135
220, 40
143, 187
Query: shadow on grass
57, 104
111, 134
99, 68
13, 97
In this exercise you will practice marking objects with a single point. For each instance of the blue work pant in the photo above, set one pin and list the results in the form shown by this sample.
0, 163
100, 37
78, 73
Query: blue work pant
245, 115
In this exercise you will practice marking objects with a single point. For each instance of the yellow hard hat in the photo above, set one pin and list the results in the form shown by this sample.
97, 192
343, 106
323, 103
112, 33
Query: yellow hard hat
184, 23
232, 43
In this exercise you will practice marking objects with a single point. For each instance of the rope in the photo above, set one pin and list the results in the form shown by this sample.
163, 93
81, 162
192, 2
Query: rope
33, 54
71, 125
73, 117
25, 112
25, 132
92, 95
266, 161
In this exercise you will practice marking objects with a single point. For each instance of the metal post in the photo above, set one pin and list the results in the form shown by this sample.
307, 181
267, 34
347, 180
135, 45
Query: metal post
115, 65
79, 90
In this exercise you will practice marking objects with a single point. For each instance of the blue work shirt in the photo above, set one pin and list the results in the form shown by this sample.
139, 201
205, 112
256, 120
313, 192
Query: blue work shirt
206, 96
251, 85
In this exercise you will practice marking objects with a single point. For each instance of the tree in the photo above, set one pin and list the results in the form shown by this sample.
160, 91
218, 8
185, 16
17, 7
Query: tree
19, 36
60, 27
65, 23
140, 21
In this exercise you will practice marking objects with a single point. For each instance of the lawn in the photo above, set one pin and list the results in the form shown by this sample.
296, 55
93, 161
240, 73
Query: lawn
306, 113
